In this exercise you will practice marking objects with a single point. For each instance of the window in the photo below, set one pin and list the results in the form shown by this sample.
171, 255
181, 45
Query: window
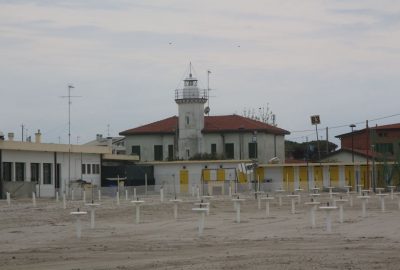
35, 172
19, 171
253, 150
83, 168
158, 152
213, 149
97, 168
170, 152
88, 169
136, 150
229, 151
187, 153
58, 175
7, 171
385, 148
46, 173
187, 120
94, 168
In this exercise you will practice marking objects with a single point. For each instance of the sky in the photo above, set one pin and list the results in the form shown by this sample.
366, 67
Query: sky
339, 59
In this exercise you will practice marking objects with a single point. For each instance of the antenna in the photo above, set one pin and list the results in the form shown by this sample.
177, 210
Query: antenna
70, 86
208, 92
108, 130
190, 69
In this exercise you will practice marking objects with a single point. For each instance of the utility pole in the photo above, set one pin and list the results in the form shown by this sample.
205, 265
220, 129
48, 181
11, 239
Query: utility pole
327, 141
69, 129
315, 120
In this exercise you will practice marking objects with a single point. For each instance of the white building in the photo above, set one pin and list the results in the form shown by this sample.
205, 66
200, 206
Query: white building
191, 134
47, 167
117, 144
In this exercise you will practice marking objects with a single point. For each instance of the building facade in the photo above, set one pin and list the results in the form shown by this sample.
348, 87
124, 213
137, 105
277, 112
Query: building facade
192, 135
380, 143
45, 168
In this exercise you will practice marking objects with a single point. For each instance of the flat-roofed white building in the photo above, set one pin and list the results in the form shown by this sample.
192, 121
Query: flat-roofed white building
47, 167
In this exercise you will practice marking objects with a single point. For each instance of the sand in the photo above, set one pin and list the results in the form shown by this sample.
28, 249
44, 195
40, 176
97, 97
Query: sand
44, 237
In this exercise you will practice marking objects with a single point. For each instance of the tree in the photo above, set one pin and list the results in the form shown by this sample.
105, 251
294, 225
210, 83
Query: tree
263, 114
308, 150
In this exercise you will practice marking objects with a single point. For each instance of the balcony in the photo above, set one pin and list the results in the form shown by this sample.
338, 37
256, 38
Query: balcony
191, 95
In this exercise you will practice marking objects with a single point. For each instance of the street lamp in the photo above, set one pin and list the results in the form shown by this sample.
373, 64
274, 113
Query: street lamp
352, 142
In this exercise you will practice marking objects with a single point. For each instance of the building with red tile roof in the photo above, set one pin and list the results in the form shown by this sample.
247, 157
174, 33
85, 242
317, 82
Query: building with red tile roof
192, 133
377, 142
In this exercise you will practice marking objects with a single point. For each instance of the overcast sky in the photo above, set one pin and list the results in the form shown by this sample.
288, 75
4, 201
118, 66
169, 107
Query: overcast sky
339, 59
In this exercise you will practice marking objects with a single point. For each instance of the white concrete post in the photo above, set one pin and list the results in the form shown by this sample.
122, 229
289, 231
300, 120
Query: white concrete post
117, 198
126, 194
72, 194
238, 212
8, 198
198, 192
84, 196
99, 194
34, 199
64, 201
57, 199
162, 194
382, 199
134, 193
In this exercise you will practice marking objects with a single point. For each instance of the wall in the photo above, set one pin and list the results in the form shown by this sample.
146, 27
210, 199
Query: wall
276, 176
147, 143
48, 190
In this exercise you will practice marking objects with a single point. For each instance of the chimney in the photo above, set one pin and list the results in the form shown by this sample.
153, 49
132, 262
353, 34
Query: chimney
11, 136
99, 137
38, 136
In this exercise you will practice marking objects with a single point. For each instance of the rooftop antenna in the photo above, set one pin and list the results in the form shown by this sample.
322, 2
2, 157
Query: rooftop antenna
70, 86
190, 69
108, 130
22, 136
208, 92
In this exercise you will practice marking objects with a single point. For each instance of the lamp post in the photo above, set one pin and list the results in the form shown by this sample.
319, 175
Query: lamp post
352, 142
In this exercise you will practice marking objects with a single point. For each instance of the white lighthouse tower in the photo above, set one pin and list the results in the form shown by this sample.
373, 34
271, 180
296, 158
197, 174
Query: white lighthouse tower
190, 102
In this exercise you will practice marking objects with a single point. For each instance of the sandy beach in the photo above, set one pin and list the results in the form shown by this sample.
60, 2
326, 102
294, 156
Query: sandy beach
44, 237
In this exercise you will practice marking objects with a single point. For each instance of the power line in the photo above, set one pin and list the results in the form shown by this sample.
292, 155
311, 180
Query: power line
345, 125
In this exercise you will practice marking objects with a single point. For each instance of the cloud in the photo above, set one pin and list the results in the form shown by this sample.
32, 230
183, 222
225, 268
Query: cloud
126, 58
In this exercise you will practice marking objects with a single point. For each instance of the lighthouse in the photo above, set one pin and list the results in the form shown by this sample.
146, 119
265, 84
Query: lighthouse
190, 102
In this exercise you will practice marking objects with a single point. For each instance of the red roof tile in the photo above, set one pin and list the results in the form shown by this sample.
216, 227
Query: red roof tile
235, 123
385, 127
165, 126
212, 124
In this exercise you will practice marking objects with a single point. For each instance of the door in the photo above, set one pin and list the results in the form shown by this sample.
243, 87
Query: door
318, 176
303, 178
364, 177
221, 175
184, 181
349, 176
288, 179
334, 176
